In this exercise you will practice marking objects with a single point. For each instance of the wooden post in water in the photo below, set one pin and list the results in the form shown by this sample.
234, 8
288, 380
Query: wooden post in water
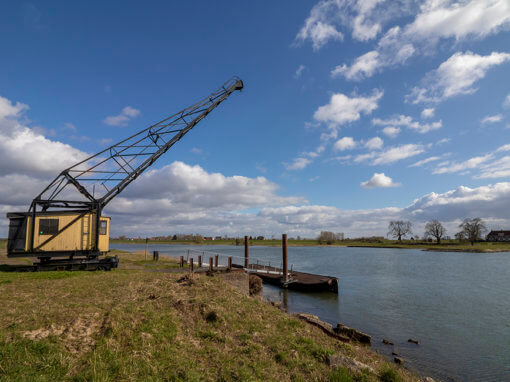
181, 262
191, 265
146, 245
285, 258
199, 261
216, 261
210, 264
229, 267
246, 252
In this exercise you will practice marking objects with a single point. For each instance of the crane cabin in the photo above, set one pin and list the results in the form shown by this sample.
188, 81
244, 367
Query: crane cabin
57, 234
65, 219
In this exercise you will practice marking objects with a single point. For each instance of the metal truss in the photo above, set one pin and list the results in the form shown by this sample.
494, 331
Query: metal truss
92, 183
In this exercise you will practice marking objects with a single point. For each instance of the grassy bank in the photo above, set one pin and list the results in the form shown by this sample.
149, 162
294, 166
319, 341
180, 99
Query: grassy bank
142, 323
448, 245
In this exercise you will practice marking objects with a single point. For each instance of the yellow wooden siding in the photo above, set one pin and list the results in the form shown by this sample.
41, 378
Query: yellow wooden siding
79, 236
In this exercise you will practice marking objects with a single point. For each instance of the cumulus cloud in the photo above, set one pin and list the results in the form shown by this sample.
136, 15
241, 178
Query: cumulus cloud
374, 143
406, 121
346, 143
363, 18
428, 112
47, 157
363, 66
343, 109
318, 26
391, 131
492, 119
391, 154
298, 164
451, 207
126, 115
379, 180
456, 76
190, 188
434, 21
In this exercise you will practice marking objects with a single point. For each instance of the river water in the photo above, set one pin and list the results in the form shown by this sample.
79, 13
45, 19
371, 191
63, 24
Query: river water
457, 305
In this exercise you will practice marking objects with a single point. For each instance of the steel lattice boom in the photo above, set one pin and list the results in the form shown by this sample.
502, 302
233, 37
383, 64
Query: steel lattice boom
92, 183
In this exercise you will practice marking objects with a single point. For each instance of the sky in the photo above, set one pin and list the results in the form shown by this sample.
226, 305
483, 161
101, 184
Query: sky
353, 113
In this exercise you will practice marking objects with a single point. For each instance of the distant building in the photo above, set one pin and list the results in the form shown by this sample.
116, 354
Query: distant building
260, 237
208, 238
498, 236
217, 238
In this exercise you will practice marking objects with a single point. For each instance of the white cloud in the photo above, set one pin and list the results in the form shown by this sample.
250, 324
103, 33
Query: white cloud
188, 188
456, 76
403, 120
47, 157
123, 118
428, 112
379, 180
391, 155
196, 150
472, 163
299, 71
318, 26
492, 119
363, 66
451, 19
506, 102
503, 148
362, 17
499, 168
435, 20
374, 143
343, 109
346, 143
391, 131
443, 140
298, 164
425, 161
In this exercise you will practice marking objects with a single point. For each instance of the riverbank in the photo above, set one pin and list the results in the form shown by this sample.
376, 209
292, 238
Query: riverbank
446, 246
147, 321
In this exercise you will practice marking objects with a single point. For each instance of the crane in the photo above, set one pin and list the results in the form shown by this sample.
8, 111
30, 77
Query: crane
68, 212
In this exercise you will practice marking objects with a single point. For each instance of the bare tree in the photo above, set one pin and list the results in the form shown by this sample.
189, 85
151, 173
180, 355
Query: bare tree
435, 229
399, 229
326, 237
473, 229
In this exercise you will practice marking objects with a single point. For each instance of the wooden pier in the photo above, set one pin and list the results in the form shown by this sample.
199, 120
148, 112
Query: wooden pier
282, 277
301, 281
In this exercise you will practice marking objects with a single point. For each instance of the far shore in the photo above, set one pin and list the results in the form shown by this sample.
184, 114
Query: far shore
446, 246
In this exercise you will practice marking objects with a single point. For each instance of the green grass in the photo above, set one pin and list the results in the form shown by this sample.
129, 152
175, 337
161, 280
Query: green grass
130, 324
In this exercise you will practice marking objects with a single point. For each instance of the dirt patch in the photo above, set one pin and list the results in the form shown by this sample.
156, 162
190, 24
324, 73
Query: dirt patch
79, 336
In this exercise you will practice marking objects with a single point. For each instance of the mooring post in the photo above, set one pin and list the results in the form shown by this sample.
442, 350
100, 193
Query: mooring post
181, 261
285, 258
246, 252
229, 263
199, 261
216, 261
146, 245
191, 265
210, 264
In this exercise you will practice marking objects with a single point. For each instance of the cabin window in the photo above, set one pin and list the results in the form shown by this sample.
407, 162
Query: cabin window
48, 226
102, 227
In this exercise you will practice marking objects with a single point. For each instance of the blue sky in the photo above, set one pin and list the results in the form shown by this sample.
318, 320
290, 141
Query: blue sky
353, 113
